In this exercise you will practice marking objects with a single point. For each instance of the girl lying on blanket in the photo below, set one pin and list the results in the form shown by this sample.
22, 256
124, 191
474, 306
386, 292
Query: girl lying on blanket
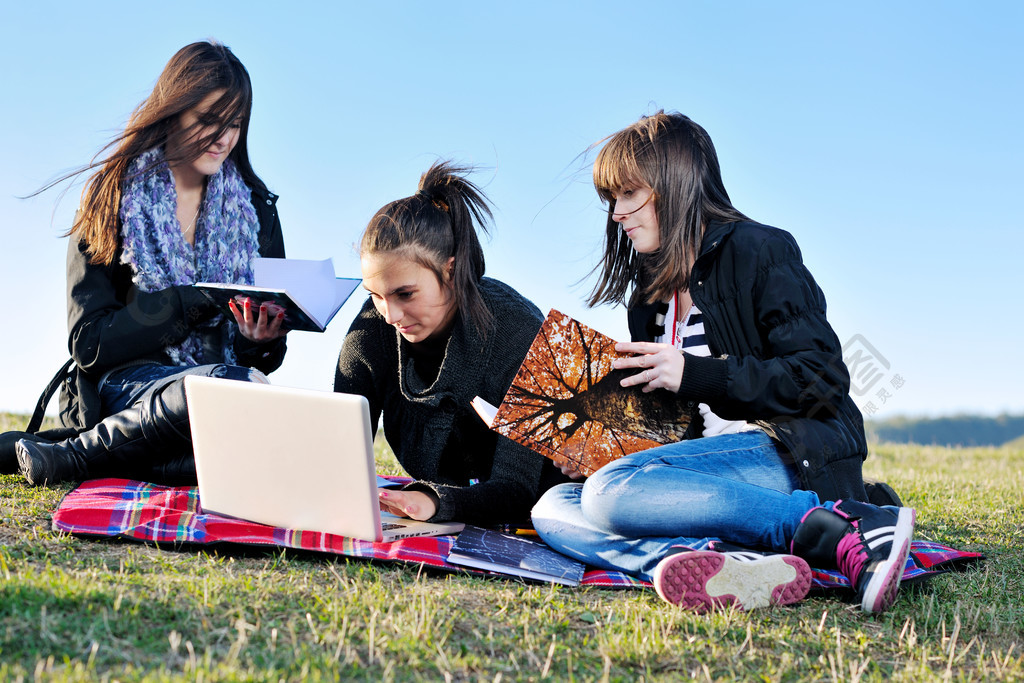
433, 334
176, 202
724, 317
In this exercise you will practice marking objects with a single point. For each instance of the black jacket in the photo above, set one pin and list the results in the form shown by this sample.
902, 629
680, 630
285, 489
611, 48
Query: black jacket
775, 359
112, 324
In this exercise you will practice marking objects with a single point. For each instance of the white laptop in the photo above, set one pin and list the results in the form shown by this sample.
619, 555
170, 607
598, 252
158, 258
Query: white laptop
291, 458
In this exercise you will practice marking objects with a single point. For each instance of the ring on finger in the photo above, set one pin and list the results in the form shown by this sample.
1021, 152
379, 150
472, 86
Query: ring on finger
647, 376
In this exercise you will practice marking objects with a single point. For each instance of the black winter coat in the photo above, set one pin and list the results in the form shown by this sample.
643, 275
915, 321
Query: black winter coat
112, 324
775, 360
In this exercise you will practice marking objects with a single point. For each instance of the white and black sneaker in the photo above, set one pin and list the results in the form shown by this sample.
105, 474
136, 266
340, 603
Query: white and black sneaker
867, 543
704, 579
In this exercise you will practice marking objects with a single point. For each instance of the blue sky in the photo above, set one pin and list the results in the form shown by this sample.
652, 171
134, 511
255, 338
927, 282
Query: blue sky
885, 136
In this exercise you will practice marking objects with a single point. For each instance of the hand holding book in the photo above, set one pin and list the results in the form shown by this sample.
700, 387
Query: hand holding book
307, 291
660, 365
567, 401
258, 321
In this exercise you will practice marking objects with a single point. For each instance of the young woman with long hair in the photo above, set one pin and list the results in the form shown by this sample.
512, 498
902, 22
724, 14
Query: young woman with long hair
726, 319
175, 201
433, 334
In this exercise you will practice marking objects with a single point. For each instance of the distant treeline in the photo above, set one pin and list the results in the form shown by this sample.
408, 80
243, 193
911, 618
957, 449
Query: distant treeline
961, 430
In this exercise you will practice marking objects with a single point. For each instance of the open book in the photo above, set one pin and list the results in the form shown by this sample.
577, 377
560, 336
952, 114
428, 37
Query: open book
510, 554
307, 290
566, 403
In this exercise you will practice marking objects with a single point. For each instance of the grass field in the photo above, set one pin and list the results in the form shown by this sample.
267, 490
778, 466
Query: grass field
73, 609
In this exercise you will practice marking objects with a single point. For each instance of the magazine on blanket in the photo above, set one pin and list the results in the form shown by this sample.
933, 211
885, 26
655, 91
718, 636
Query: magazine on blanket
308, 291
566, 402
506, 553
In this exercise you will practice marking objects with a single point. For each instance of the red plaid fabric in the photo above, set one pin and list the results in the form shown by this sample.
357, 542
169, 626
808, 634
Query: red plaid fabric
160, 514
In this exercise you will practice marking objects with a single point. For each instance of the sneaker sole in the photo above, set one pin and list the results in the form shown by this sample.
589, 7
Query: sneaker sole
702, 580
880, 592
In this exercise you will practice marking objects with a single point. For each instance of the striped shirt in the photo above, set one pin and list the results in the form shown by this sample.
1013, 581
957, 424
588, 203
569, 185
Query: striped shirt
687, 333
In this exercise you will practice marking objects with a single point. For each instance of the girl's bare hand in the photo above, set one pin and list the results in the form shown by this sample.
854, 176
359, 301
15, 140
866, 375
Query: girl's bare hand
411, 504
569, 471
660, 365
258, 322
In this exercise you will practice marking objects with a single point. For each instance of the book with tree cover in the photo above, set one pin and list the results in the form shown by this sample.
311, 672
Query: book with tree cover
566, 402
510, 554
308, 291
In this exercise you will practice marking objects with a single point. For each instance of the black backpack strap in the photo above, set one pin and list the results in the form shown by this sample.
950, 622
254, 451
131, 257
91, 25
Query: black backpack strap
44, 398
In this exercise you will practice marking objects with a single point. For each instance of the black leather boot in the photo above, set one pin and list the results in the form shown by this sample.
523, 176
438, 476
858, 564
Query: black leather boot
131, 443
8, 450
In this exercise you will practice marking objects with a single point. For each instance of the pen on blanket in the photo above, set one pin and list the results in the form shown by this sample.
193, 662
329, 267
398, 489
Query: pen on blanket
509, 528
517, 530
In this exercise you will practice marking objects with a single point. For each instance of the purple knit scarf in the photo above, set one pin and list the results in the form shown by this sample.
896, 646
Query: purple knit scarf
226, 241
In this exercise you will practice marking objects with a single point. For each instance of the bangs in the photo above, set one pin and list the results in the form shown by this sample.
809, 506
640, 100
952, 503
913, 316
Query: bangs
616, 165
236, 101
230, 106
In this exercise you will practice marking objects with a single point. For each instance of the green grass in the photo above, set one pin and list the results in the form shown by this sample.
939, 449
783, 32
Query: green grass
75, 609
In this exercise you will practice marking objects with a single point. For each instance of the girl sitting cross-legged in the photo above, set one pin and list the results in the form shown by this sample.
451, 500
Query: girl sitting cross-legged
724, 318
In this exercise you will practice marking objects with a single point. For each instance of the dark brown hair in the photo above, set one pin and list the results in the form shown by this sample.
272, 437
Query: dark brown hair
193, 73
675, 157
436, 224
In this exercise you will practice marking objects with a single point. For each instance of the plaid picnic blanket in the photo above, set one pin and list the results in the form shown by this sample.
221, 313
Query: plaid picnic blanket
123, 508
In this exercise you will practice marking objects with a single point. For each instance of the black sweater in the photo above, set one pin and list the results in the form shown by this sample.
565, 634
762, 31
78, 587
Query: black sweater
432, 429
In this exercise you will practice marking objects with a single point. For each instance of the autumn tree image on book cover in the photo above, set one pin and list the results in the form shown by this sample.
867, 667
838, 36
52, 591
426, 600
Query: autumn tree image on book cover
566, 402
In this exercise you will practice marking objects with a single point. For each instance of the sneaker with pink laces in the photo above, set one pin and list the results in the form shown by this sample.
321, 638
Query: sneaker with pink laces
867, 543
703, 579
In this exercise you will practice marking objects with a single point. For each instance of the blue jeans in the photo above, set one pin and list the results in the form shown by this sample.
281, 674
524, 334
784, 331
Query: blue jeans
121, 389
733, 487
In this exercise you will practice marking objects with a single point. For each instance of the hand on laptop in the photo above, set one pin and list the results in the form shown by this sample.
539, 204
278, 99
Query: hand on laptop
411, 504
